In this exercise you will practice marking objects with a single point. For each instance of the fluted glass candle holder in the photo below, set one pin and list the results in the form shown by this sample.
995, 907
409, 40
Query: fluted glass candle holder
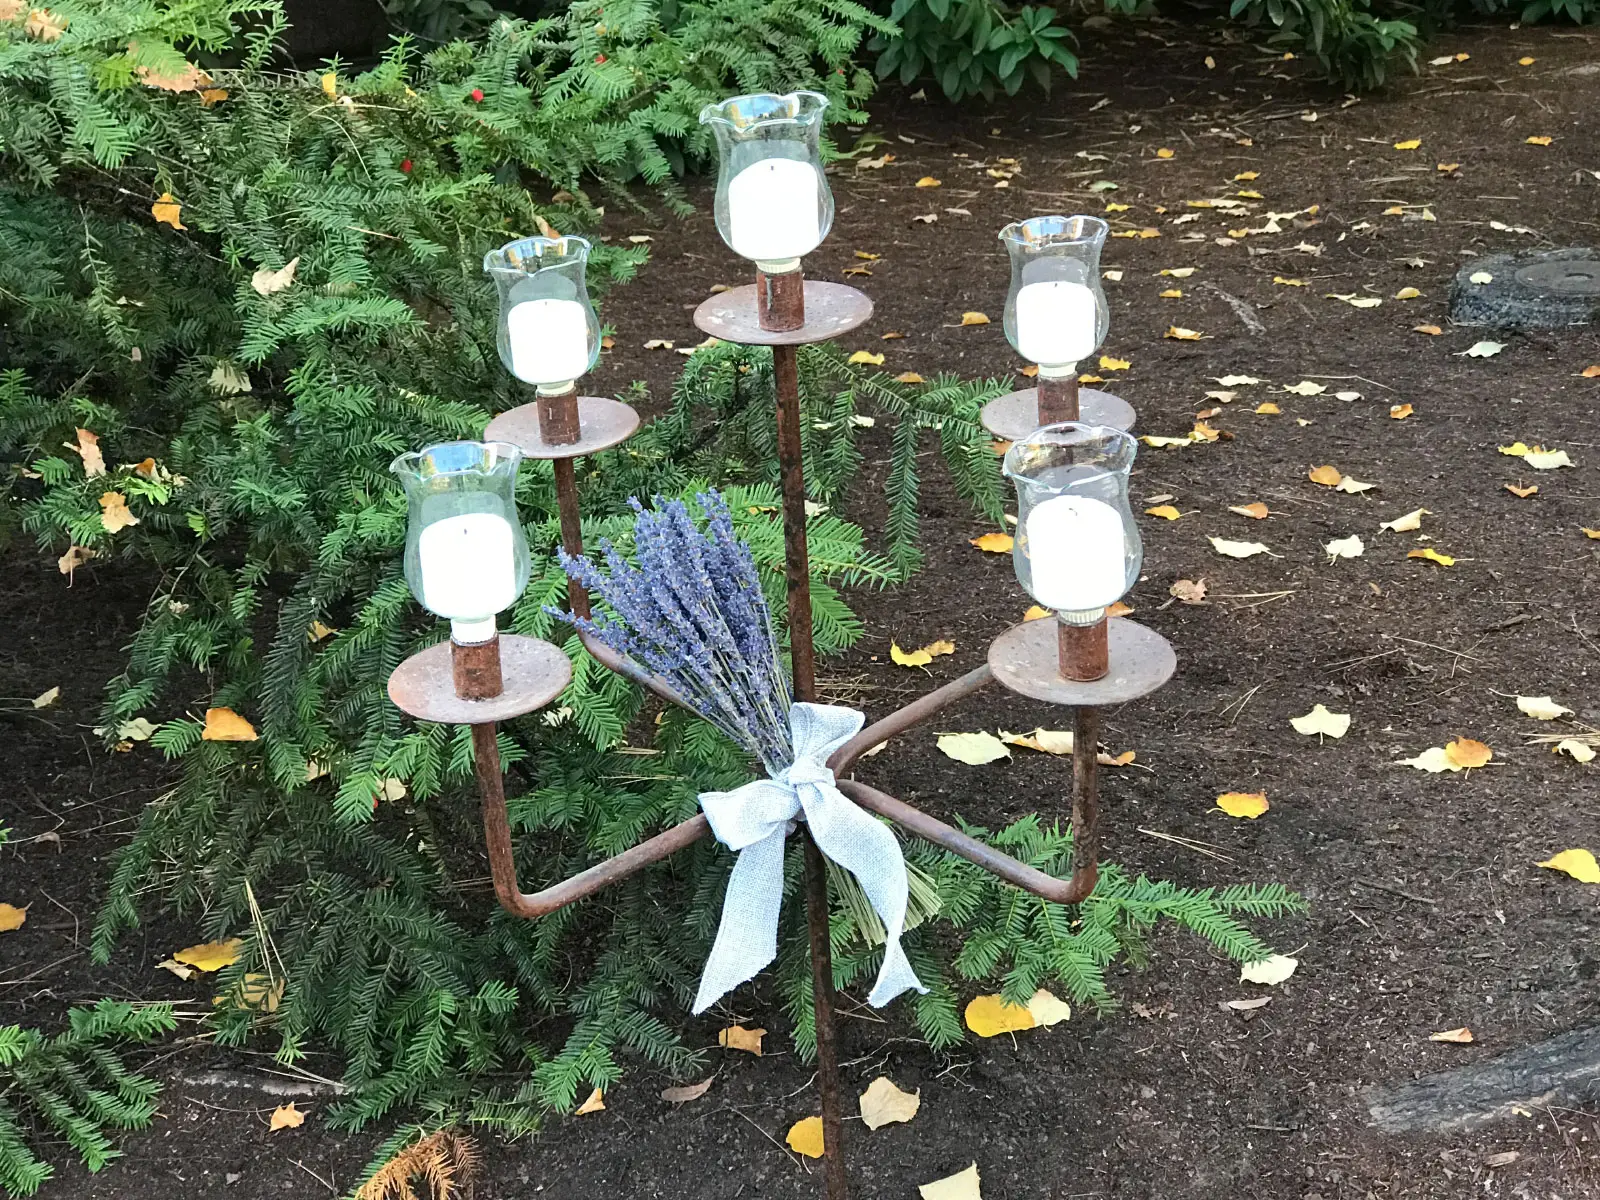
549, 334
1077, 549
466, 557
1056, 311
773, 203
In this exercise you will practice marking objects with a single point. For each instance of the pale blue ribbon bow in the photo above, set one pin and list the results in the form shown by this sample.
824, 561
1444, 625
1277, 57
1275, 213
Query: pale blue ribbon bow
755, 819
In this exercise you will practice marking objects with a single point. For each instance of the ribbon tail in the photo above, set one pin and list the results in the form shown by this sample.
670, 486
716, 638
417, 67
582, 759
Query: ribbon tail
866, 848
747, 938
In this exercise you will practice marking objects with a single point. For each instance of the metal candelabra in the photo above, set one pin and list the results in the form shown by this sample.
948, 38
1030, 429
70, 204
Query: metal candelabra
1084, 669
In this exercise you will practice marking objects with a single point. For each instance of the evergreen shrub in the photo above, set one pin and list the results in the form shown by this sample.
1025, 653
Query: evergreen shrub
249, 291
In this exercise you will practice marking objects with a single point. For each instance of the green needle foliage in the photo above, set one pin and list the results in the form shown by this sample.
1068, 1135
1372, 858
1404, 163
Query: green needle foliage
247, 413
74, 1086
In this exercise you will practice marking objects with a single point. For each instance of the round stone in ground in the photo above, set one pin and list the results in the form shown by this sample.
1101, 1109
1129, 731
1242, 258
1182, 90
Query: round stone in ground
1534, 289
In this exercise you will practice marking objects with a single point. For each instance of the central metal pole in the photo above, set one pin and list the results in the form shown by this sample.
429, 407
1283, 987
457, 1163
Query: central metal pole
791, 468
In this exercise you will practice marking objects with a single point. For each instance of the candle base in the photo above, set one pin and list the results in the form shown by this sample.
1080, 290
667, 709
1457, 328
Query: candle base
1058, 398
781, 299
475, 669
558, 417
1083, 651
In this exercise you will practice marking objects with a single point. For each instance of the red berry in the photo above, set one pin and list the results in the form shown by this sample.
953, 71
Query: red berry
477, 95
600, 58
405, 165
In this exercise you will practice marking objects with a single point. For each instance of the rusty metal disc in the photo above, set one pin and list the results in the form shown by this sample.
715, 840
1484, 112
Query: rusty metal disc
1016, 414
602, 424
1024, 658
832, 310
535, 673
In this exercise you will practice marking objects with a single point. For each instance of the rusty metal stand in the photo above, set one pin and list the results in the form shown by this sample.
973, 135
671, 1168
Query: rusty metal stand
1034, 659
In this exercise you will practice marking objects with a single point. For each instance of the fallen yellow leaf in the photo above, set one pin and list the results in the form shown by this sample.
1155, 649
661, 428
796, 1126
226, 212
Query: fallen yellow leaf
1048, 1009
1282, 282
225, 725
1238, 549
1164, 153
1467, 753
87, 447
1035, 612
1407, 293
210, 96
1178, 333
1108, 363
286, 1116
990, 1016
1255, 510
884, 1104
805, 1137
1321, 721
1408, 144
114, 514
922, 657
1405, 524
12, 917
973, 749
1327, 475
928, 181
1522, 493
964, 1185
1269, 971
1400, 412
1462, 1036
1430, 330
1433, 556
1578, 863
737, 1037
993, 543
210, 956
1246, 176
1248, 805
1541, 708
1266, 409
595, 1103
1539, 141
168, 211
867, 358
1526, 61
909, 377
974, 318
1164, 510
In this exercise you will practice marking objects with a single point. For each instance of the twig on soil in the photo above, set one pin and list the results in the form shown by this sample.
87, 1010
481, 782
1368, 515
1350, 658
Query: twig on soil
1583, 635
1245, 312
1357, 378
325, 1183
1394, 891
1432, 646
1259, 598
1509, 622
1186, 843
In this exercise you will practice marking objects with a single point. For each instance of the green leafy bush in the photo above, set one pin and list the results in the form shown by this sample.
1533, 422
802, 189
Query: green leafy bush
1353, 44
249, 377
975, 47
74, 1085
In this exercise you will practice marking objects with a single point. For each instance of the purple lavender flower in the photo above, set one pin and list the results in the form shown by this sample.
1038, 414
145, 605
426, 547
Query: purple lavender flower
691, 610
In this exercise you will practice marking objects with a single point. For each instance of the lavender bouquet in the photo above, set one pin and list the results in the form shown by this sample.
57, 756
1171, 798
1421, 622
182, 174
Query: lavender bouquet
691, 610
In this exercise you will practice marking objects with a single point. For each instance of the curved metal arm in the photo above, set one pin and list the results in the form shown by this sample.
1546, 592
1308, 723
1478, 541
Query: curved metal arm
502, 862
996, 862
918, 711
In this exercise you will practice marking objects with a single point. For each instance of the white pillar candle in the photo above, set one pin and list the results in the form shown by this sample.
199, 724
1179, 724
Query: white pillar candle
1076, 553
469, 566
549, 340
775, 210
1056, 322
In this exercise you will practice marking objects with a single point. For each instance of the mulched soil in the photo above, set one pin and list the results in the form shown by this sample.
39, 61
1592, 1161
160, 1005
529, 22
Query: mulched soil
1427, 910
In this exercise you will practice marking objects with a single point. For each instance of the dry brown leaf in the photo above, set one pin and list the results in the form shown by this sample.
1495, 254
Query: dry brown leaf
44, 25
1430, 330
595, 1103
1522, 493
114, 514
1327, 475
885, 1104
1400, 412
1255, 510
48, 697
1467, 753
168, 211
225, 725
1188, 591
74, 558
974, 318
687, 1092
266, 281
286, 1116
12, 918
1461, 1036
737, 1037
210, 96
